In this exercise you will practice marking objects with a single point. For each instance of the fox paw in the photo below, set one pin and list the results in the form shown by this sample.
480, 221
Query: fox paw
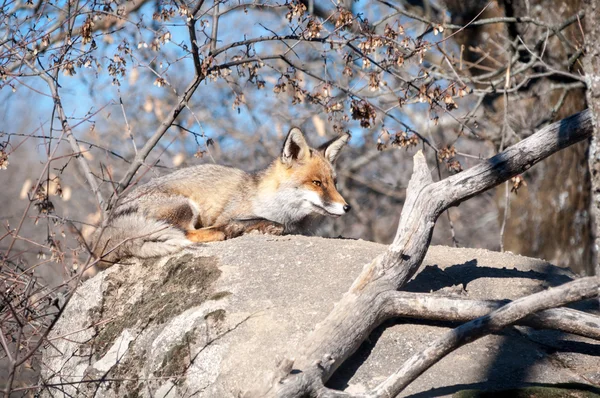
235, 229
265, 227
205, 235
272, 229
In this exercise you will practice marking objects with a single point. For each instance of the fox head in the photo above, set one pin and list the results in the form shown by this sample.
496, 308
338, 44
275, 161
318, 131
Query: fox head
302, 181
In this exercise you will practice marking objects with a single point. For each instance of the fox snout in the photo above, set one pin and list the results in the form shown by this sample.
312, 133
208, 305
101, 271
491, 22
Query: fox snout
336, 206
339, 200
336, 211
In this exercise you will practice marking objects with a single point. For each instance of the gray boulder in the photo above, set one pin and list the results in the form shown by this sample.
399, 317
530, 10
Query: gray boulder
214, 320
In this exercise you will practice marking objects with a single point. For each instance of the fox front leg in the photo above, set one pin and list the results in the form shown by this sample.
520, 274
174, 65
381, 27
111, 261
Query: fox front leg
233, 229
237, 228
204, 235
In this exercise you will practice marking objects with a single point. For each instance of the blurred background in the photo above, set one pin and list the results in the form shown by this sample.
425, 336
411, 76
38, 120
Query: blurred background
460, 80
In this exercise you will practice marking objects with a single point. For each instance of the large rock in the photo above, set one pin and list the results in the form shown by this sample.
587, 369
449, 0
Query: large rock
214, 320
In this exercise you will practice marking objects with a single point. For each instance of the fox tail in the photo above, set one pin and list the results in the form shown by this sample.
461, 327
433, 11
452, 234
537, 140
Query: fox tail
134, 235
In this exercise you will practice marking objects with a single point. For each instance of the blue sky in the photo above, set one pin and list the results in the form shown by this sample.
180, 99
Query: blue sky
85, 92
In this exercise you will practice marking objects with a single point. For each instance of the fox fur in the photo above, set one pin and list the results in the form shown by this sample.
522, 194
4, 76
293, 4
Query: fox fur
210, 203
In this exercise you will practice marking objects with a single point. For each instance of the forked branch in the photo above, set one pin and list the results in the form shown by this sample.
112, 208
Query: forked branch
364, 306
577, 290
433, 307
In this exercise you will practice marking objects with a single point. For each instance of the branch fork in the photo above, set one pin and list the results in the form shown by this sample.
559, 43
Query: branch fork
374, 296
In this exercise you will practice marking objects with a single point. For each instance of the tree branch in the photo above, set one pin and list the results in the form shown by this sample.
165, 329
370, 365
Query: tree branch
457, 309
83, 164
160, 131
363, 307
168, 122
577, 290
104, 24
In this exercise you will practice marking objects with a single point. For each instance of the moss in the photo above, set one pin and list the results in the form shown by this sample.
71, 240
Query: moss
133, 390
177, 359
107, 335
219, 295
574, 390
124, 374
187, 283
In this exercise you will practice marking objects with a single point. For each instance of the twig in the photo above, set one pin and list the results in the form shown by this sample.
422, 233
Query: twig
69, 133
505, 129
215, 26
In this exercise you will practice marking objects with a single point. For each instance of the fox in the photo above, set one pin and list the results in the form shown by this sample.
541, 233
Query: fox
208, 203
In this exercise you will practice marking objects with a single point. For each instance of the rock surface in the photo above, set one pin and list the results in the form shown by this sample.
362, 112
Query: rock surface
213, 320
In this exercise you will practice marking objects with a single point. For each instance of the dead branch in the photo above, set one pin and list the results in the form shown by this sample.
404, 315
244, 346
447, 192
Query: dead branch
577, 290
363, 307
457, 309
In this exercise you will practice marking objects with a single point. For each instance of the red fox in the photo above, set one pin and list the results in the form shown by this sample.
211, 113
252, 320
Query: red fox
210, 203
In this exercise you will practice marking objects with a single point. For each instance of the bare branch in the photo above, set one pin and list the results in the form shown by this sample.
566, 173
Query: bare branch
577, 290
215, 26
363, 307
158, 134
168, 122
103, 24
83, 164
458, 309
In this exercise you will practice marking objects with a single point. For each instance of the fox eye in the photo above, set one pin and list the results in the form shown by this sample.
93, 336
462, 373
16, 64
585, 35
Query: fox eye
317, 183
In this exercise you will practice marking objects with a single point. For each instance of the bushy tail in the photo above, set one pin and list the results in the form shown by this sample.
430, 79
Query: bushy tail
137, 236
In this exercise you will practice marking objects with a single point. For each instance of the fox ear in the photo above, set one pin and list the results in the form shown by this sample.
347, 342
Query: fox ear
295, 147
331, 149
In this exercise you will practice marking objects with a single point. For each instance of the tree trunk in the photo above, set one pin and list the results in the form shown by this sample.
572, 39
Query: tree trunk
549, 218
591, 66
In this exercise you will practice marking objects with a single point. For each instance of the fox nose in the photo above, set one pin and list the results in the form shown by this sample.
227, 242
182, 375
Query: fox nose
347, 208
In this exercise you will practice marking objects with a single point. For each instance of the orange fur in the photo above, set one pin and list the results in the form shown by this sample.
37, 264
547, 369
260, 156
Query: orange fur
205, 235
